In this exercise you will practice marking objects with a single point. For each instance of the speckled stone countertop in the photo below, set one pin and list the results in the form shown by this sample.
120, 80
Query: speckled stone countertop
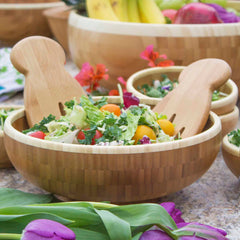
214, 199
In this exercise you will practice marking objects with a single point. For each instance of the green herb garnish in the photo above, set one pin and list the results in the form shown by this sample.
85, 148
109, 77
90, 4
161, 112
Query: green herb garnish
3, 116
234, 137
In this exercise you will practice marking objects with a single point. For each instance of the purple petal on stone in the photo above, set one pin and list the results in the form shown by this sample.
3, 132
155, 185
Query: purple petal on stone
129, 99
154, 235
42, 229
175, 213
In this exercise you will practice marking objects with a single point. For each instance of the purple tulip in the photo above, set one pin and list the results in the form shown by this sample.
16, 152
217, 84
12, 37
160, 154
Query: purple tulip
44, 229
129, 99
227, 17
155, 235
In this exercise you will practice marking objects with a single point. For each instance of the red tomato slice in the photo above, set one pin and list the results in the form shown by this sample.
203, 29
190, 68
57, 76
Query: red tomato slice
38, 134
81, 135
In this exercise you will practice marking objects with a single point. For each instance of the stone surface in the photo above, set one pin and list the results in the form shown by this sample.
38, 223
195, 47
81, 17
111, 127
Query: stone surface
214, 199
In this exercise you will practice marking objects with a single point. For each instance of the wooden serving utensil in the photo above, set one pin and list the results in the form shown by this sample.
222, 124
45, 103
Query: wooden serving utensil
47, 84
188, 105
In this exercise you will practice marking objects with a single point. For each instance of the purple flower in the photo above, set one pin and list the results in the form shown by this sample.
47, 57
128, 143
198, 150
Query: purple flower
166, 88
155, 235
145, 140
173, 212
227, 17
129, 99
44, 229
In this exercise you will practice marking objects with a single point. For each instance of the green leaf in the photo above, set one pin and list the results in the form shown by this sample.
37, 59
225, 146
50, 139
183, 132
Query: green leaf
19, 81
144, 214
12, 197
16, 223
89, 234
115, 226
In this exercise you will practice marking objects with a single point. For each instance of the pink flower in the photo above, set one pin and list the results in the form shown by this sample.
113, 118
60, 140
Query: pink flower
88, 77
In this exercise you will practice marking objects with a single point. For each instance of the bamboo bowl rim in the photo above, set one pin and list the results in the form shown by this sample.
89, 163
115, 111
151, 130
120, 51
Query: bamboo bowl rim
29, 6
17, 107
230, 148
230, 115
55, 13
143, 73
93, 149
148, 29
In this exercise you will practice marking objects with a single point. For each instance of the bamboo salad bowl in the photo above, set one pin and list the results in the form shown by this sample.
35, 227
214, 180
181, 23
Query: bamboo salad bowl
118, 45
225, 107
231, 155
20, 20
118, 174
4, 160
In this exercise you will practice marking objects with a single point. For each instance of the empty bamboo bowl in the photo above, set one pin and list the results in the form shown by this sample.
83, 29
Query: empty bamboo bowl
4, 160
146, 76
58, 22
20, 20
112, 173
118, 44
231, 155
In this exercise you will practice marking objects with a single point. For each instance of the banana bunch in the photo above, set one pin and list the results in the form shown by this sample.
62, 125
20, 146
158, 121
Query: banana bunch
140, 11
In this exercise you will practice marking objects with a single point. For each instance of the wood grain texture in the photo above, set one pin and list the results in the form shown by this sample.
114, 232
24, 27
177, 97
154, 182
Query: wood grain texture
146, 76
231, 155
116, 174
58, 22
28, 1
229, 121
47, 83
190, 101
4, 160
18, 21
118, 45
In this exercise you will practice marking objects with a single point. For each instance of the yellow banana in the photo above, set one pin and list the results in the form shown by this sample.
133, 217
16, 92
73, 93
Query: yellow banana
120, 9
133, 11
101, 9
149, 12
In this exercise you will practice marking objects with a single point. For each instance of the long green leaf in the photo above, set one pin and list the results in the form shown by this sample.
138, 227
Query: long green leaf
12, 197
116, 227
144, 214
16, 223
89, 235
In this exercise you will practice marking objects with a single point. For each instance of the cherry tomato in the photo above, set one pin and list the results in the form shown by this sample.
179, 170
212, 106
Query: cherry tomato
113, 108
38, 134
81, 135
143, 130
166, 126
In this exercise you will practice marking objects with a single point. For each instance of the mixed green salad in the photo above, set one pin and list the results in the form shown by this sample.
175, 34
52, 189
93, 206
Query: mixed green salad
100, 123
3, 116
160, 88
234, 137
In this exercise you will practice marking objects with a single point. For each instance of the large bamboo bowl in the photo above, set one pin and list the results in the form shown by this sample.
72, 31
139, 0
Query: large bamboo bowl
4, 160
114, 173
118, 44
58, 22
231, 155
20, 20
146, 76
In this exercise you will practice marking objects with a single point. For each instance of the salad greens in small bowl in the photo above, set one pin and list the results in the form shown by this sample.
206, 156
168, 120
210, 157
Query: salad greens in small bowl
4, 113
231, 151
132, 171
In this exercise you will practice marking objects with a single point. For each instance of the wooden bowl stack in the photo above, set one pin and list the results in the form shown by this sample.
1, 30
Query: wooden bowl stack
231, 155
24, 18
112, 173
4, 160
225, 108
118, 45
58, 22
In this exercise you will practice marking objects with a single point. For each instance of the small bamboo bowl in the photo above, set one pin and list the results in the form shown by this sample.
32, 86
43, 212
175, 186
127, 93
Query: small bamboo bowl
231, 155
58, 22
220, 107
114, 173
20, 20
4, 160
118, 45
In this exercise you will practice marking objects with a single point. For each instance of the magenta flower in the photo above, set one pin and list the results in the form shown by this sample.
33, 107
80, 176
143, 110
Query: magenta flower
145, 140
44, 229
